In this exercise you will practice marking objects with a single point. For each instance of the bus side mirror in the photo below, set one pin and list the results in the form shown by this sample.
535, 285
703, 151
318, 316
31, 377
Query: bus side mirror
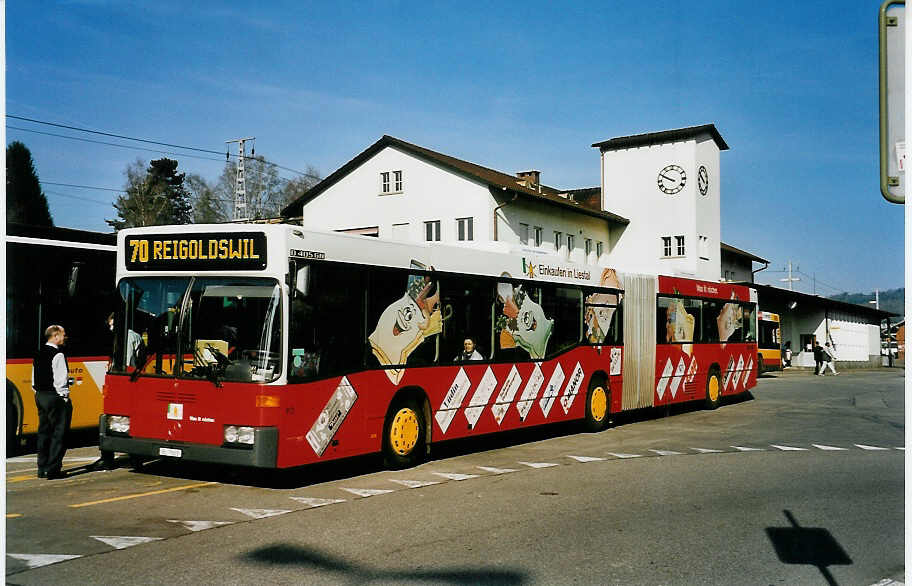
298, 279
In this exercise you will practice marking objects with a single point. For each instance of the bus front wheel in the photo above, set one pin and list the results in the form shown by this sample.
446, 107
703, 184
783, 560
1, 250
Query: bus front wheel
13, 418
713, 389
598, 402
404, 435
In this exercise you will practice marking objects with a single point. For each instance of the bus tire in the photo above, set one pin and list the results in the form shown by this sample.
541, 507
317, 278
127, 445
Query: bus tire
760, 366
136, 462
13, 418
404, 435
713, 388
598, 404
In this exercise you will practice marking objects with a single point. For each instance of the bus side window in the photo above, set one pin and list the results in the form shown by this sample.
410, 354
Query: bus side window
709, 333
466, 308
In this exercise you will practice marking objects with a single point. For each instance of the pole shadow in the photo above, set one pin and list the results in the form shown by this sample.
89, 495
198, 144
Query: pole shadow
812, 546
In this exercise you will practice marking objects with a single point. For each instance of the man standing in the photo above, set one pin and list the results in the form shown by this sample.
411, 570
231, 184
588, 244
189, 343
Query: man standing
818, 359
49, 374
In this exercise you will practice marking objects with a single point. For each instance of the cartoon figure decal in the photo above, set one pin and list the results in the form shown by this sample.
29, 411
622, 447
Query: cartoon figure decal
406, 323
679, 325
598, 317
729, 320
522, 321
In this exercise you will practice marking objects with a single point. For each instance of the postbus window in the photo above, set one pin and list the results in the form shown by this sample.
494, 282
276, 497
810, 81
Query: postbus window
403, 319
326, 326
466, 304
564, 306
678, 320
522, 328
710, 322
602, 317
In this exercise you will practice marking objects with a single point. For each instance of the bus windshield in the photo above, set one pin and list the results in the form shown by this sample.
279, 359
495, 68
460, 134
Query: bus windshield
220, 328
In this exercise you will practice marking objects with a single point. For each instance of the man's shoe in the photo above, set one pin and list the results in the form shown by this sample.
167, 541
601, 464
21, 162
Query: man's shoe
42, 474
56, 475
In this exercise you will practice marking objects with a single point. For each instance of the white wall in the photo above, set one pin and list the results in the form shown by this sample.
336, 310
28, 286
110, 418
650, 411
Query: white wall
551, 218
630, 189
429, 193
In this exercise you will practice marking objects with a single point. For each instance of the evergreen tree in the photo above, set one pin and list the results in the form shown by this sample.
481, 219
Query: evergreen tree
153, 197
25, 202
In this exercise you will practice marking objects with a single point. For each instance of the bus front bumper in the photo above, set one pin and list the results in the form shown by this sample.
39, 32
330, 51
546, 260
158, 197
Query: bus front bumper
262, 454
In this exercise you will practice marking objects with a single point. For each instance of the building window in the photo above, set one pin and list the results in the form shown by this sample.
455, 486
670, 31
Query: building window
397, 180
385, 182
464, 229
704, 247
558, 236
588, 245
571, 242
666, 246
679, 242
524, 233
598, 249
432, 231
538, 235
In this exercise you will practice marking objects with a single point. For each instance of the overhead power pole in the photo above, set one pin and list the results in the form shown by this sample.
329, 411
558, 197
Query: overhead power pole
240, 188
790, 277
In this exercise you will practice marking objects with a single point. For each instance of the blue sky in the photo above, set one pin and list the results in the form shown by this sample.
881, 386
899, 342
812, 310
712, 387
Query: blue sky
792, 88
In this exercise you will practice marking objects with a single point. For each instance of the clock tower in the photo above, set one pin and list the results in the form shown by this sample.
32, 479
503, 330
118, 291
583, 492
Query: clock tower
667, 184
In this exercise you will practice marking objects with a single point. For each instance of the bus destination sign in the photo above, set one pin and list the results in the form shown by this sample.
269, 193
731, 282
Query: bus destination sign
205, 251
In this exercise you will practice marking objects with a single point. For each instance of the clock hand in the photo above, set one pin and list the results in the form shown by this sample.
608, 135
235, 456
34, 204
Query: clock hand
666, 177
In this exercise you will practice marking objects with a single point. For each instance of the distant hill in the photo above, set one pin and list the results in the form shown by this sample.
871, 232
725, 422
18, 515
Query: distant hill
892, 300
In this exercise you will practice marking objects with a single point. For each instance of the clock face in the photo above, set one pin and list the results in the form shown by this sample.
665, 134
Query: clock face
671, 179
703, 180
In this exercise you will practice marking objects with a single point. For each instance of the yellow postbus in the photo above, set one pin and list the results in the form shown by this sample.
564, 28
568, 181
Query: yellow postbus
57, 276
769, 342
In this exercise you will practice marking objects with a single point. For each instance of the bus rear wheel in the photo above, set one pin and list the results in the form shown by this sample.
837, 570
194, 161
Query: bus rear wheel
404, 435
713, 389
597, 405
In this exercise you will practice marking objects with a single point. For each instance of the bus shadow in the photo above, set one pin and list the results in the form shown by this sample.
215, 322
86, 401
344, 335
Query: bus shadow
323, 472
304, 558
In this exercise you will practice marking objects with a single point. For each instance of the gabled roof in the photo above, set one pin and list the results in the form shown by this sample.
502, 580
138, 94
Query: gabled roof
494, 179
738, 252
664, 136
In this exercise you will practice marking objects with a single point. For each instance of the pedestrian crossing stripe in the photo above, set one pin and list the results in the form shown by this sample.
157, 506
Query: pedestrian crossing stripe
36, 560
745, 449
496, 470
707, 451
414, 483
864, 447
260, 513
625, 456
587, 459
829, 448
666, 452
366, 492
788, 448
123, 541
451, 476
538, 464
313, 503
200, 525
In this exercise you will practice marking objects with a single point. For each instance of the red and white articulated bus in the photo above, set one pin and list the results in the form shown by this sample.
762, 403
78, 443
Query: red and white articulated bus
272, 346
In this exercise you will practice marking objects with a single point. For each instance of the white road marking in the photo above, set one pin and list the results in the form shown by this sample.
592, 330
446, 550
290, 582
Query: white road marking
625, 455
366, 492
453, 476
123, 541
708, 451
743, 449
260, 513
495, 470
829, 448
789, 448
414, 483
587, 459
36, 560
666, 452
864, 447
537, 464
313, 503
200, 525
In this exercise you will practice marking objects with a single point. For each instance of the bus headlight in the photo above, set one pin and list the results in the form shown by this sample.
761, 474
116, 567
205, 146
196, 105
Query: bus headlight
119, 424
239, 434
245, 435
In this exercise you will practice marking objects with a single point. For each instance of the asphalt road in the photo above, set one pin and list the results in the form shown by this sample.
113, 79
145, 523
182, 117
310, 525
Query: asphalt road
799, 483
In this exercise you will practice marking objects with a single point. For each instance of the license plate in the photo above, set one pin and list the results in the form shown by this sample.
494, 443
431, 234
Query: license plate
173, 452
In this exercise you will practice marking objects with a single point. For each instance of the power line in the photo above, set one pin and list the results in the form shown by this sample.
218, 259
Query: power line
149, 141
58, 194
81, 186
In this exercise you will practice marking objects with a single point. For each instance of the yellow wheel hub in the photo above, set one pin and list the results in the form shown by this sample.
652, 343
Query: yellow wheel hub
404, 431
713, 388
598, 403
